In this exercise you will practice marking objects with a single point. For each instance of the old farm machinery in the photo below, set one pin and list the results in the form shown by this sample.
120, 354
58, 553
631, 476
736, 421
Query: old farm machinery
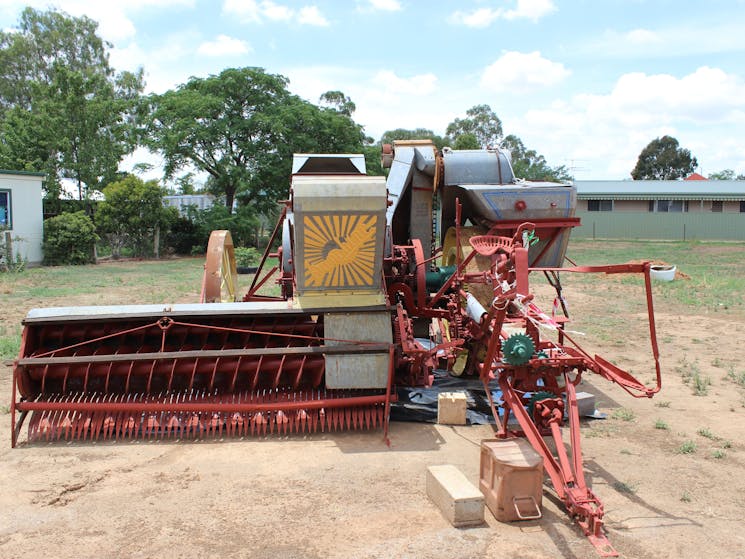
381, 282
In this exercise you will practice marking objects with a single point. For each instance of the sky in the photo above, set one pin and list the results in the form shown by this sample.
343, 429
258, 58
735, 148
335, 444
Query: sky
586, 83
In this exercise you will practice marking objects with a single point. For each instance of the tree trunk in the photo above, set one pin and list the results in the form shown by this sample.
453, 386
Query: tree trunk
229, 199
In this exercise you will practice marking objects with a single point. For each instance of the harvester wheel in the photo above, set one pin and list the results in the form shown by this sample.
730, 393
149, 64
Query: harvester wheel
220, 272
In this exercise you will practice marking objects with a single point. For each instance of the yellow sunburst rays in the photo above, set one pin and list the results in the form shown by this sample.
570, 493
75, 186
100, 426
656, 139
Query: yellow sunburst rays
339, 250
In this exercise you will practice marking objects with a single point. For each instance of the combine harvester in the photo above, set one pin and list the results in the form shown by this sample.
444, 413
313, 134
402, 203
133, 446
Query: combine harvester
360, 288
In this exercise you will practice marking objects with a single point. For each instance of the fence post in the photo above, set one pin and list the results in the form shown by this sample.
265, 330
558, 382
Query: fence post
684, 231
8, 250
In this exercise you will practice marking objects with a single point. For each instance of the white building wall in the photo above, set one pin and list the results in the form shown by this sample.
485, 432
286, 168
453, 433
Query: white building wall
27, 214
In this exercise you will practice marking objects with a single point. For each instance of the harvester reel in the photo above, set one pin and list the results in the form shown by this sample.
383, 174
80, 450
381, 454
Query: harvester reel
517, 349
219, 269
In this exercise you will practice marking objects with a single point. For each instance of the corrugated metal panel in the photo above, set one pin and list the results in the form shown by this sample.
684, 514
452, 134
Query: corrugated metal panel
677, 196
666, 226
680, 190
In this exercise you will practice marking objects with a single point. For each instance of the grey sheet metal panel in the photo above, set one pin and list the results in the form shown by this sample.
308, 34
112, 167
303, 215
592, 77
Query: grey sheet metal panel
541, 200
407, 160
477, 167
115, 312
357, 370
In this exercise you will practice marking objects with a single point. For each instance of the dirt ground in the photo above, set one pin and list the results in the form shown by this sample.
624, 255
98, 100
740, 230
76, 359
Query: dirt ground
350, 495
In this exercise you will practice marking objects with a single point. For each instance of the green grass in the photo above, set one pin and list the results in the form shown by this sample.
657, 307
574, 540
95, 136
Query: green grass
718, 454
624, 414
700, 384
660, 424
690, 374
663, 404
688, 447
686, 497
150, 281
10, 343
716, 269
737, 378
706, 433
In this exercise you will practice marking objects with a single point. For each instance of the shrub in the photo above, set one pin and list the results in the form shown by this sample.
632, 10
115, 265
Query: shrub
247, 256
131, 213
69, 238
183, 235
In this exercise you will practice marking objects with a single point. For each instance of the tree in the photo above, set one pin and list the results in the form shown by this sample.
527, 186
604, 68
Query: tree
339, 102
480, 121
390, 136
63, 110
466, 141
664, 159
131, 213
242, 127
726, 175
530, 165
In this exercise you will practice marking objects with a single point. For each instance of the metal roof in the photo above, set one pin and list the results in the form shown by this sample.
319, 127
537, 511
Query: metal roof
656, 190
22, 173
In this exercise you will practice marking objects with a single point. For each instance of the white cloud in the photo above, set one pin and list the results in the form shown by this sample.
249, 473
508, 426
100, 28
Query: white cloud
224, 46
674, 41
483, 17
253, 11
531, 9
517, 71
311, 15
247, 11
384, 100
164, 65
385, 5
113, 16
390, 83
704, 110
276, 12
525, 9
642, 37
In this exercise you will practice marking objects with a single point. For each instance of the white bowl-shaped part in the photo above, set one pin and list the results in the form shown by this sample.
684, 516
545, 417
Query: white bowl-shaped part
663, 273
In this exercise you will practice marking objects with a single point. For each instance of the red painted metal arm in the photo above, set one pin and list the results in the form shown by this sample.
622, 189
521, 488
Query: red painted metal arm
605, 368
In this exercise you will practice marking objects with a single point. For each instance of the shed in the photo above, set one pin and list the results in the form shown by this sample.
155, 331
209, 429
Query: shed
674, 210
21, 212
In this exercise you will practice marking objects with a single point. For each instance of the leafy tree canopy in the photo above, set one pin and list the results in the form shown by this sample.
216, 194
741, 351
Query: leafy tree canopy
466, 141
338, 101
480, 121
391, 136
242, 127
664, 159
726, 175
63, 110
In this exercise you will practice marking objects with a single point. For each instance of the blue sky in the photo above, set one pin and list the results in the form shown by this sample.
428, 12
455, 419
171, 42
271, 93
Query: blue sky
586, 83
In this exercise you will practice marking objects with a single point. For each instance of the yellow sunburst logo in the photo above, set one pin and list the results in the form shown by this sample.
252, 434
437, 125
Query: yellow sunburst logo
339, 250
